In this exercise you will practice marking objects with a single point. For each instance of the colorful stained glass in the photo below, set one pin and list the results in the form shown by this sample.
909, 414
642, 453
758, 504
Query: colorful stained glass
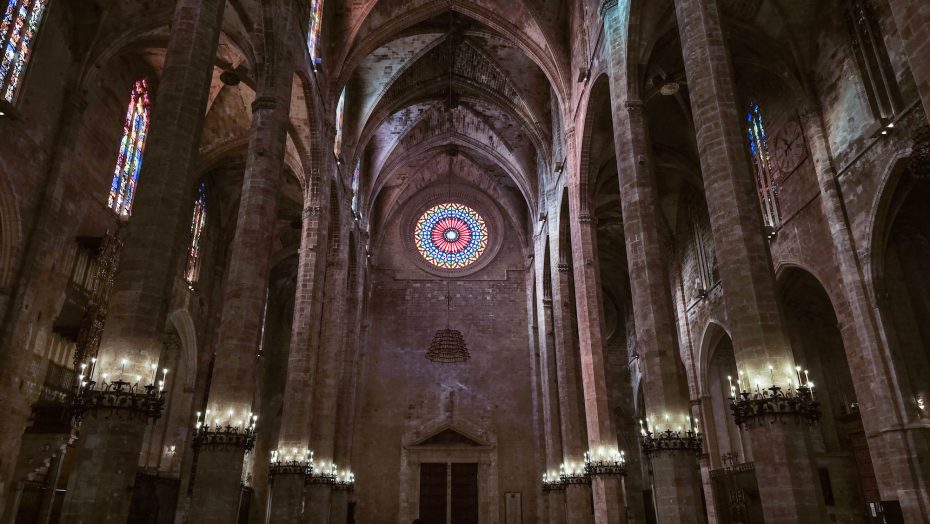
313, 31
762, 164
198, 222
340, 122
18, 30
129, 161
451, 236
356, 176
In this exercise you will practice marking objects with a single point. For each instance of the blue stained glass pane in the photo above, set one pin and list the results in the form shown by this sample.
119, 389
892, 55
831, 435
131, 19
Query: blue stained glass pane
18, 29
451, 236
198, 223
129, 159
313, 31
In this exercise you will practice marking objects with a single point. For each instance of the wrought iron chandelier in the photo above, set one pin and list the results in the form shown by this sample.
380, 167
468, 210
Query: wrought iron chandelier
448, 345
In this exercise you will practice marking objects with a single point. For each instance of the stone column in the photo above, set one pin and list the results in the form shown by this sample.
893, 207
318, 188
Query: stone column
782, 452
328, 372
288, 482
577, 497
216, 489
348, 386
677, 484
609, 505
108, 450
870, 362
555, 500
39, 290
912, 18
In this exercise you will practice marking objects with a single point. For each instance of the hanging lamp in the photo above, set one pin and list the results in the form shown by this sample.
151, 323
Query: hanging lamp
448, 345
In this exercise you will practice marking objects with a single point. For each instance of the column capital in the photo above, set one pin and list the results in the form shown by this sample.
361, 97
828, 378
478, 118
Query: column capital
634, 105
607, 5
171, 342
264, 102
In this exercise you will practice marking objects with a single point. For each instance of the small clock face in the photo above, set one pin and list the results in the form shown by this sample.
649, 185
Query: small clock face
790, 149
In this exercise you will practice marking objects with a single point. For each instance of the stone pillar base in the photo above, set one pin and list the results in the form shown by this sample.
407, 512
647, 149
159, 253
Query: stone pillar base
609, 506
217, 484
677, 487
578, 504
784, 463
555, 506
317, 501
287, 497
339, 507
100, 487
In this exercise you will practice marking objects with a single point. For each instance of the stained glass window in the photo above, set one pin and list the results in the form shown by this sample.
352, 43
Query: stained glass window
18, 30
356, 176
198, 222
340, 121
762, 164
451, 236
129, 161
313, 32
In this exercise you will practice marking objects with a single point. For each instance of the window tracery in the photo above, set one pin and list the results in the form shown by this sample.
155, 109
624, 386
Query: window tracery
762, 165
198, 223
129, 161
451, 235
313, 32
18, 29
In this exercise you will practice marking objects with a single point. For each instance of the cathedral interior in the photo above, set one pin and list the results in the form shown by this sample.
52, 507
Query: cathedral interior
464, 261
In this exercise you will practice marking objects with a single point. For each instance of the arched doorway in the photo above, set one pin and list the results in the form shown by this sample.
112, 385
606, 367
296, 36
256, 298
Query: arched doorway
842, 454
732, 476
902, 256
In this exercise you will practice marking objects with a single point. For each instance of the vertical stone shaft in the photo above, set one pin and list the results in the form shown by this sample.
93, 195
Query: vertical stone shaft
217, 479
780, 451
348, 386
51, 234
138, 306
549, 383
548, 376
571, 409
297, 409
607, 489
912, 18
329, 367
878, 396
677, 482
108, 451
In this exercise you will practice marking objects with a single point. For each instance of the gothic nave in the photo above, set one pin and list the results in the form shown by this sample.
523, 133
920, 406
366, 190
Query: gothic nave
464, 261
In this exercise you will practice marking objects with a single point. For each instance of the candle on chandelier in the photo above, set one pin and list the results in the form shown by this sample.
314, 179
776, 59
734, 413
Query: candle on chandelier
154, 372
93, 366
